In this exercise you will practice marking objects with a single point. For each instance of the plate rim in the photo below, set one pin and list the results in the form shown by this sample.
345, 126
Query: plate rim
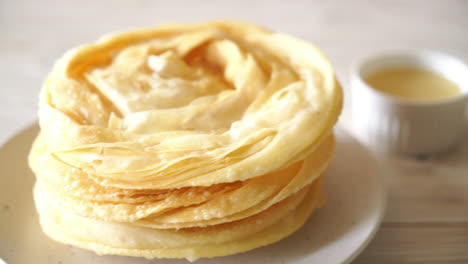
353, 254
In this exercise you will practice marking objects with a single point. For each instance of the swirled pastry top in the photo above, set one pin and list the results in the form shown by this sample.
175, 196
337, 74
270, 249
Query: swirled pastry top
188, 105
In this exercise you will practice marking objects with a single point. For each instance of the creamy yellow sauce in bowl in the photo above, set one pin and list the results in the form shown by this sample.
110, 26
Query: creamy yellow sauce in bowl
413, 83
409, 101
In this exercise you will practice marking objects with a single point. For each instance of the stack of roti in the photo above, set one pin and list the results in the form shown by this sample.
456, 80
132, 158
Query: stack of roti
184, 141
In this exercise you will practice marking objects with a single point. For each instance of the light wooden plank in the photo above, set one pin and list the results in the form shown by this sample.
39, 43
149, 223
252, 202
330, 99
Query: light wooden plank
427, 190
417, 243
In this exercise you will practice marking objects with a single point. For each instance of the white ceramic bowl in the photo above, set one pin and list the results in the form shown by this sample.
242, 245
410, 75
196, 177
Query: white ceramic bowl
397, 125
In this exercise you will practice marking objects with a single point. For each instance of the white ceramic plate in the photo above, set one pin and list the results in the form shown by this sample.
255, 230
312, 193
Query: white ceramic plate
336, 233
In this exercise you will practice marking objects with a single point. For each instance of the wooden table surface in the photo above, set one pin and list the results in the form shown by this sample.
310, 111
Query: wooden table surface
427, 213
